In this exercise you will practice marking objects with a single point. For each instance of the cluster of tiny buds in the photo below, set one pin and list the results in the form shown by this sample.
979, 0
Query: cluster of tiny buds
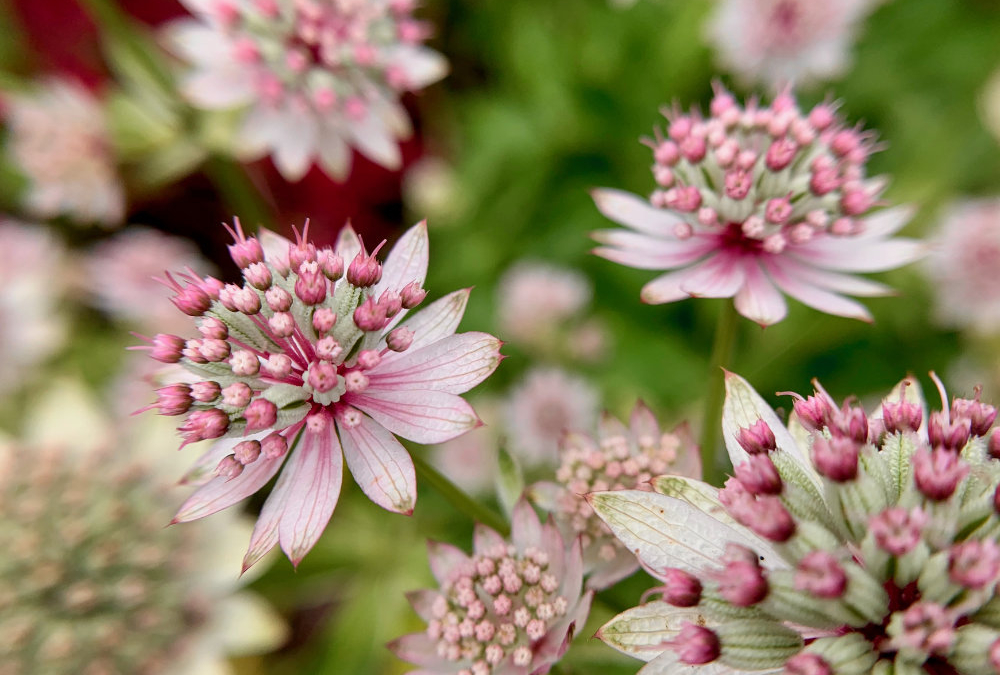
611, 464
323, 44
287, 301
772, 173
496, 607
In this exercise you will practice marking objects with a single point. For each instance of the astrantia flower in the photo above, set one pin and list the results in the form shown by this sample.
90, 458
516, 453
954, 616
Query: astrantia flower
758, 201
59, 139
786, 41
318, 76
620, 458
91, 581
32, 261
544, 405
316, 359
844, 544
962, 268
534, 299
509, 609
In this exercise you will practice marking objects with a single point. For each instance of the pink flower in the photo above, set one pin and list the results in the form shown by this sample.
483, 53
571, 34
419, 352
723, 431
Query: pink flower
786, 41
317, 76
534, 299
620, 458
509, 609
289, 367
758, 201
962, 266
59, 140
546, 403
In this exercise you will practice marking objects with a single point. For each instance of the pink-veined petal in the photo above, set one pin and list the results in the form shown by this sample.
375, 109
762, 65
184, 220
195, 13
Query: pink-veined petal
422, 416
885, 222
381, 467
642, 422
422, 601
446, 561
221, 493
644, 252
435, 321
407, 261
667, 287
834, 281
846, 255
418, 648
485, 539
633, 211
203, 470
721, 276
525, 527
373, 140
454, 364
817, 298
758, 299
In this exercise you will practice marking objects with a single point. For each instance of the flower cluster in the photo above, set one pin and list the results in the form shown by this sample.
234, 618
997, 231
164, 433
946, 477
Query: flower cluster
755, 199
59, 139
843, 544
620, 458
316, 359
319, 76
786, 41
510, 608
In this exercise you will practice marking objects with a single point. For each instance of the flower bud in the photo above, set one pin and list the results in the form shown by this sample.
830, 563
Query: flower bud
412, 295
400, 339
757, 438
938, 472
759, 475
260, 414
167, 348
900, 416
836, 458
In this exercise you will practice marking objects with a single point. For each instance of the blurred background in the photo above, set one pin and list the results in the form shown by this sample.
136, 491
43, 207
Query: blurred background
545, 100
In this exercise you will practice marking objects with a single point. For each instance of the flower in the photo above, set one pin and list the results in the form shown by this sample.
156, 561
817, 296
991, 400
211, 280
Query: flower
117, 275
786, 41
546, 403
620, 458
757, 199
534, 299
59, 140
962, 266
90, 581
511, 608
316, 359
471, 459
32, 261
874, 550
317, 76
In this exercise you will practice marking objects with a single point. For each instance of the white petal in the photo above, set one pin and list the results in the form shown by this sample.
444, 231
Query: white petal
454, 364
641, 251
846, 255
381, 467
198, 43
422, 66
833, 281
758, 299
632, 211
295, 144
373, 140
218, 87
435, 321
813, 296
721, 276
886, 222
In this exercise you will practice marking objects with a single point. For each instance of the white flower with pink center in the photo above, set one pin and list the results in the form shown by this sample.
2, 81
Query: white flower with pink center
963, 263
59, 139
317, 77
620, 458
779, 42
535, 299
755, 202
844, 543
509, 609
313, 360
547, 403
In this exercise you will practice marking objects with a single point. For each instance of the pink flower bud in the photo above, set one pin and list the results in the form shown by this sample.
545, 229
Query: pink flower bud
191, 300
237, 395
680, 588
980, 415
244, 363
247, 452
780, 154
901, 416
741, 582
365, 270
278, 366
849, 422
824, 181
330, 263
260, 414
167, 348
820, 573
322, 376
684, 198
738, 183
246, 301
757, 438
836, 458
258, 275
667, 153
938, 472
680, 128
974, 563
229, 468
273, 446
205, 391
204, 424
214, 350
896, 530
855, 202
693, 149
769, 518
759, 476
400, 339
211, 327
778, 211
282, 324
323, 320
212, 287
806, 663
993, 446
310, 287
696, 645
368, 359
192, 351
412, 295
299, 253
174, 399
246, 252
950, 434
278, 299
390, 303
369, 317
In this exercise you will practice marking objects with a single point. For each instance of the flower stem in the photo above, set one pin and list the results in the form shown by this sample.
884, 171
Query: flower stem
461, 501
722, 351
238, 192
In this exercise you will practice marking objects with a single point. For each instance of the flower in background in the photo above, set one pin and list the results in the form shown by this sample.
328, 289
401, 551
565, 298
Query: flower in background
758, 201
779, 42
90, 581
318, 76
59, 139
471, 459
534, 299
509, 609
620, 458
119, 275
844, 543
32, 261
989, 104
963, 266
315, 358
544, 405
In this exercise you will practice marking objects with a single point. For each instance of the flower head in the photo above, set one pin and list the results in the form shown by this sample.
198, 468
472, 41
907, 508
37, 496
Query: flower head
620, 458
962, 264
510, 608
786, 41
59, 139
547, 403
757, 201
534, 298
306, 365
892, 566
318, 76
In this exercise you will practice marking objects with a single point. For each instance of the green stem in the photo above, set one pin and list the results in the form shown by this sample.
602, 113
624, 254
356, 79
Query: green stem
461, 501
238, 192
722, 351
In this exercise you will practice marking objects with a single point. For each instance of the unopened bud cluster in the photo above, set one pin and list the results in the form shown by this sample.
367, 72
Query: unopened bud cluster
90, 581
